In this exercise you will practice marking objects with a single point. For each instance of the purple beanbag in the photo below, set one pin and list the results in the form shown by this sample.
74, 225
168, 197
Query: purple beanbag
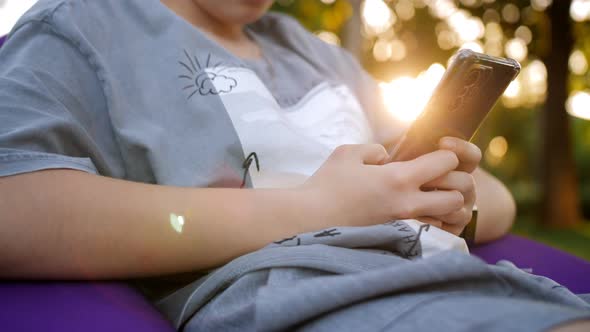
76, 306
89, 306
566, 269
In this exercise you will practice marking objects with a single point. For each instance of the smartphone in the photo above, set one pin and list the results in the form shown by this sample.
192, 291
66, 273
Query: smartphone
461, 101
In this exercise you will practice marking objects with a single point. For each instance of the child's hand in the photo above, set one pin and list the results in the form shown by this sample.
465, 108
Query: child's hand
461, 180
468, 153
354, 188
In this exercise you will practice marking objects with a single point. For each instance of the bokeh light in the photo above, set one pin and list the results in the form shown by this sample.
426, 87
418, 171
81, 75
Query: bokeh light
580, 10
491, 15
523, 32
382, 50
446, 40
534, 76
510, 13
513, 89
578, 63
498, 146
468, 28
516, 48
405, 97
442, 8
377, 16
541, 5
578, 104
473, 45
398, 50
405, 9
529, 88
512, 95
496, 151
329, 37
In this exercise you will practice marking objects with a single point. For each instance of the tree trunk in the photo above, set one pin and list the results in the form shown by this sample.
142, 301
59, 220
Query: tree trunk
560, 197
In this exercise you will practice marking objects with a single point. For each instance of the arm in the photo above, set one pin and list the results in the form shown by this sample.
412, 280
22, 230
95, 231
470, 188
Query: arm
65, 224
496, 207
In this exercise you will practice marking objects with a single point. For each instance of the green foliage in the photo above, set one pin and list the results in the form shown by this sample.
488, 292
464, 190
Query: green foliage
316, 15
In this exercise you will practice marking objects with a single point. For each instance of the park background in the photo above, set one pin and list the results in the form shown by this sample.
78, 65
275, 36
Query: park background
536, 140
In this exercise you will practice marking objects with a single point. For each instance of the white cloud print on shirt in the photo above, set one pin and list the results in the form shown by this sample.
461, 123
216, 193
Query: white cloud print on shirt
291, 142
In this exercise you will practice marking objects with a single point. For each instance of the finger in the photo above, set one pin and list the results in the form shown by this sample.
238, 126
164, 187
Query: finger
432, 221
435, 203
429, 166
468, 153
370, 154
460, 217
455, 180
469, 198
373, 154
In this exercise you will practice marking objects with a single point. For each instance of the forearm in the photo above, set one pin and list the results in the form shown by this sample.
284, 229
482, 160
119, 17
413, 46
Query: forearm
496, 207
67, 224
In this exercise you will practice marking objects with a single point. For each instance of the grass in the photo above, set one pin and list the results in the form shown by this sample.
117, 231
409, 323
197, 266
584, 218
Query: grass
575, 241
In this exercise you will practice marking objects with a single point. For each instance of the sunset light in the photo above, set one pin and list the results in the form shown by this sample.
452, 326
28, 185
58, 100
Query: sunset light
405, 97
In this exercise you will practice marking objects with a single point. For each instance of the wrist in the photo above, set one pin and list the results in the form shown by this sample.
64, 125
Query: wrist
313, 210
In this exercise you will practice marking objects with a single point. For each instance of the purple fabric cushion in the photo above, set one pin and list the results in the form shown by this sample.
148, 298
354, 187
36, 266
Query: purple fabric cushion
566, 269
76, 306
89, 307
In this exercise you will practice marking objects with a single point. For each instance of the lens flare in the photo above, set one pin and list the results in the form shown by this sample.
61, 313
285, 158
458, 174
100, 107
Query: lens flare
405, 97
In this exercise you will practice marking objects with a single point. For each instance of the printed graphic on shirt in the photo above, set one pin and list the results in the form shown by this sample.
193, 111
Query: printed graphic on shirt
205, 82
291, 143
407, 238
393, 238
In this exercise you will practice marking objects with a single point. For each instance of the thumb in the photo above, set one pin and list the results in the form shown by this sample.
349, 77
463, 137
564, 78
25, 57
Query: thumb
373, 154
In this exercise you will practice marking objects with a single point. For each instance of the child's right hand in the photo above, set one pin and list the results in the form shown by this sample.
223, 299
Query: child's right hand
355, 188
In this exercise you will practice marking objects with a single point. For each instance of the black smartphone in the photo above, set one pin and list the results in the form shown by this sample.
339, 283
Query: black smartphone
461, 101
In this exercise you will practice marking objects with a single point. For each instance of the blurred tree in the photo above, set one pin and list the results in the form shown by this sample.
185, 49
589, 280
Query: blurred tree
559, 204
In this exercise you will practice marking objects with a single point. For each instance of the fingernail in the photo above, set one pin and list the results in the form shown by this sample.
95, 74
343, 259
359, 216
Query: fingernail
448, 143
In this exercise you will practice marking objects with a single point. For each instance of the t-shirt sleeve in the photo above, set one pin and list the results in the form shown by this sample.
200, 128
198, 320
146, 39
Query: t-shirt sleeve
53, 112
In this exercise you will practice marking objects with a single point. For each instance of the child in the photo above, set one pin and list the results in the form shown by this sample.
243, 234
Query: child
128, 128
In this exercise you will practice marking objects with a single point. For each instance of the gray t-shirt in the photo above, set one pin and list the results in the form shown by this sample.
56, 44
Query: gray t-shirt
127, 89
